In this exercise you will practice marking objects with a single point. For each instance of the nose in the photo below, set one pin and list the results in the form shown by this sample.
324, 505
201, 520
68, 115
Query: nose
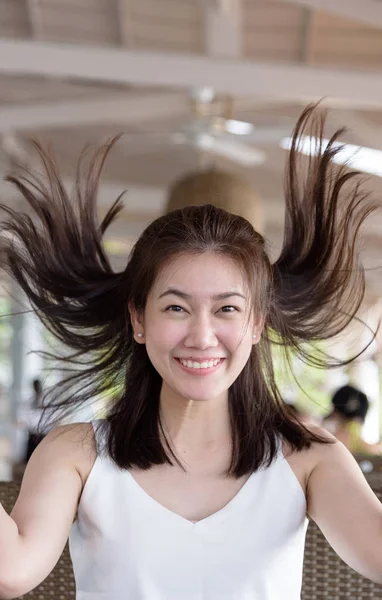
201, 334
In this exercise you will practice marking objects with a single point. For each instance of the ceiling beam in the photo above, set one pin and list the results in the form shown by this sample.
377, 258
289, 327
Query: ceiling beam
223, 28
35, 18
124, 16
129, 110
365, 11
307, 36
227, 76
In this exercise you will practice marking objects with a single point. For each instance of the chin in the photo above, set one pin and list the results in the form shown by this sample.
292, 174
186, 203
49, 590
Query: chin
199, 396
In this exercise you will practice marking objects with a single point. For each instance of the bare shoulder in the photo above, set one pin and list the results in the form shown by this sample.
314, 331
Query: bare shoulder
304, 462
75, 443
316, 451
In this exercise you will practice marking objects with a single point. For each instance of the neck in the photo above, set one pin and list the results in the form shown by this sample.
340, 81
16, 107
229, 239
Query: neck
195, 426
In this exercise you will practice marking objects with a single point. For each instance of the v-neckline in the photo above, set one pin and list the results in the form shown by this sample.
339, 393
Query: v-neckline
216, 516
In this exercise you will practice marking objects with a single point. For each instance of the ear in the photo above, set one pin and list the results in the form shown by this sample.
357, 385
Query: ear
258, 328
137, 324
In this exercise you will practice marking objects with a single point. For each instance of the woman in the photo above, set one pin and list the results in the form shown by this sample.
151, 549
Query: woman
198, 482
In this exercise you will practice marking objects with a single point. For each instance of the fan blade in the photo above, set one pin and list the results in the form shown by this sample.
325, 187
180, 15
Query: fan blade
136, 144
231, 149
266, 135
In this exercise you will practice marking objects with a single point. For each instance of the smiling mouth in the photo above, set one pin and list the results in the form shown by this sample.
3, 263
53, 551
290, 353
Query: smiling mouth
200, 365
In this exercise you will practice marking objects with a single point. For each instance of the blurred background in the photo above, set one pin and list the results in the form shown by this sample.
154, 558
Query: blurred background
198, 87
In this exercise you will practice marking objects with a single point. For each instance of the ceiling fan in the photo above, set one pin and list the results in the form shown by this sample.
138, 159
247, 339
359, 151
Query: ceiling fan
214, 132
211, 131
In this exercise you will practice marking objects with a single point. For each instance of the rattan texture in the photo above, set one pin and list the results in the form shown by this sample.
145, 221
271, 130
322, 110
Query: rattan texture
326, 576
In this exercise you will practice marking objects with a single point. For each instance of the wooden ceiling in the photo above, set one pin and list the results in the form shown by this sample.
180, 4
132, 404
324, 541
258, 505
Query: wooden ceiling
73, 72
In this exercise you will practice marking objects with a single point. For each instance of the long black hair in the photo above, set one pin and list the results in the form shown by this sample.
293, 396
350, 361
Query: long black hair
311, 292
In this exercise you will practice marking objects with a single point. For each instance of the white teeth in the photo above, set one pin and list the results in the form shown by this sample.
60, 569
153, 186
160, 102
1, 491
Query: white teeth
204, 365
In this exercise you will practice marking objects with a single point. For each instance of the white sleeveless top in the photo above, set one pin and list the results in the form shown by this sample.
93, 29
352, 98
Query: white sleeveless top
126, 546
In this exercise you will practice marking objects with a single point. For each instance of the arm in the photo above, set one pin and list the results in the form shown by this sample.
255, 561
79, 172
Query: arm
33, 537
346, 510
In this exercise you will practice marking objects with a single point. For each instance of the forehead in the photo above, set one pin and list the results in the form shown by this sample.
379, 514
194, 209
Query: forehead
204, 274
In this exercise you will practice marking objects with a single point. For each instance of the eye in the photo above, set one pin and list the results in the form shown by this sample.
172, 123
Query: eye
231, 309
174, 308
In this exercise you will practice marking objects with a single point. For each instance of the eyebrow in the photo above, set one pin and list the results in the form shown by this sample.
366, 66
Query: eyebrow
174, 292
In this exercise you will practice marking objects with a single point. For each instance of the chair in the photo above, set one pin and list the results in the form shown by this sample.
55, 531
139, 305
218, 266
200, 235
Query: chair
325, 577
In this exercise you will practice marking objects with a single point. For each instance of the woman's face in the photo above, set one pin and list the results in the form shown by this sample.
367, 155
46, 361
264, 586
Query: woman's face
197, 325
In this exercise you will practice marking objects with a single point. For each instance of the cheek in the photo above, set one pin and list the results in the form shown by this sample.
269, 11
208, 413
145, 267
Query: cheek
241, 345
236, 336
165, 333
